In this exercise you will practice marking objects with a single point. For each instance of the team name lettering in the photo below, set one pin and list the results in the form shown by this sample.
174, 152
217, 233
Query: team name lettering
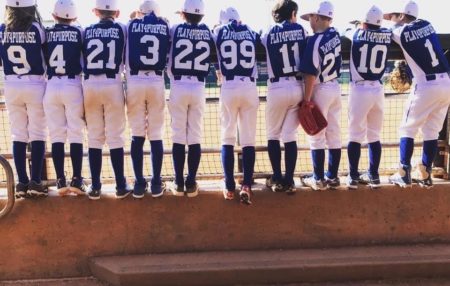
62, 36
194, 34
287, 36
374, 37
103, 33
231, 35
149, 28
419, 33
18, 37
331, 44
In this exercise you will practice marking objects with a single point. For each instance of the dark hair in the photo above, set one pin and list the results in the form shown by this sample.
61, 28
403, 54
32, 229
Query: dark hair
193, 19
20, 19
106, 14
371, 26
410, 18
283, 10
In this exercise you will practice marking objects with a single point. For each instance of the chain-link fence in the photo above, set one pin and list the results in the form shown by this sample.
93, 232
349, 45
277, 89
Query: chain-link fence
210, 166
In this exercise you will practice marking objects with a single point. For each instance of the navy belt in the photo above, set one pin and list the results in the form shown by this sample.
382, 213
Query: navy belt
136, 72
277, 79
108, 75
232, 77
430, 77
179, 77
69, 76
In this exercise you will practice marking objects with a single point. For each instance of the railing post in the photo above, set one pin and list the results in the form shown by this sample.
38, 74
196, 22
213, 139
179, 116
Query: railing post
10, 187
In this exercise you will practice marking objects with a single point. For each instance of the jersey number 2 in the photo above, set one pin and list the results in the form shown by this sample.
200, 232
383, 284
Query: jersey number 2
99, 47
188, 49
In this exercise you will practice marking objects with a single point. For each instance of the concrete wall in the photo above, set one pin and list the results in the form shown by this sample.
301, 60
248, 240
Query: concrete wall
55, 237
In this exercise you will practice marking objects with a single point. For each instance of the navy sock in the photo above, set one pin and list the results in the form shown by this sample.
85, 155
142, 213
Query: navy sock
37, 160
248, 163
406, 150
228, 166
274, 149
117, 164
58, 159
95, 164
334, 159
194, 155
179, 157
374, 158
20, 161
430, 149
290, 160
318, 158
137, 157
76, 156
157, 160
354, 154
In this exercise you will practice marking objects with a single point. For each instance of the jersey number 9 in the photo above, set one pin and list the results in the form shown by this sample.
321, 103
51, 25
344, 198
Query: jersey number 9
229, 51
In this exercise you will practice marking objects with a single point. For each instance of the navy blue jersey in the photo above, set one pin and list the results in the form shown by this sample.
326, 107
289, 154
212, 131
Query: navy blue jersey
148, 44
103, 48
322, 56
63, 50
21, 52
369, 54
236, 46
421, 48
285, 44
190, 50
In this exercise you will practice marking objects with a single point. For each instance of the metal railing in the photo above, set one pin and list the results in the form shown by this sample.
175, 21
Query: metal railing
10, 187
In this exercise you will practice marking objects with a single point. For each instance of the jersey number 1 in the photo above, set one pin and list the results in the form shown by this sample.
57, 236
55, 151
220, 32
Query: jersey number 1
99, 47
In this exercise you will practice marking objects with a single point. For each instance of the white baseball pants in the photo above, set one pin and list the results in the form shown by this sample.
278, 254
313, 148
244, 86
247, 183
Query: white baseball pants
24, 102
365, 111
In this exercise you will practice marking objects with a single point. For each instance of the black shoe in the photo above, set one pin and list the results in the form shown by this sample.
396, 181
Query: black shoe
352, 183
139, 189
94, 194
245, 195
177, 190
122, 193
192, 191
78, 186
61, 186
37, 190
402, 178
158, 190
274, 185
423, 177
289, 189
332, 184
372, 181
21, 190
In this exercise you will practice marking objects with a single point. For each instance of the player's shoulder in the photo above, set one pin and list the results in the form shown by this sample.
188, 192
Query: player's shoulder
203, 26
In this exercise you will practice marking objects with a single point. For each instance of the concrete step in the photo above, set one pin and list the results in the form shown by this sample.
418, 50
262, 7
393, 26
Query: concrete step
276, 266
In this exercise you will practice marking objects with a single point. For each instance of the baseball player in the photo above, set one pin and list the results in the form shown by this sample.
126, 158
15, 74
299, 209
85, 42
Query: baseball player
366, 100
21, 40
285, 43
146, 57
63, 101
321, 67
103, 50
191, 44
236, 46
429, 101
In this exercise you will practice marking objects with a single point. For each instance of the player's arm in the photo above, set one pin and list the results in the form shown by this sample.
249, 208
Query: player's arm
309, 66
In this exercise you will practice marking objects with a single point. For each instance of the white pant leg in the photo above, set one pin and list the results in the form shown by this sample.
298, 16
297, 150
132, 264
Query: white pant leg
358, 108
248, 112
195, 115
17, 111
72, 96
291, 121
156, 103
33, 94
55, 112
114, 108
229, 110
93, 106
375, 116
433, 124
421, 103
178, 109
278, 100
333, 130
136, 107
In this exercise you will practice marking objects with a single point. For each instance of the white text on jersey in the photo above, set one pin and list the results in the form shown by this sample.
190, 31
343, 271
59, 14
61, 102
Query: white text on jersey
102, 33
374, 37
149, 28
331, 44
62, 36
18, 37
419, 33
194, 34
231, 35
286, 36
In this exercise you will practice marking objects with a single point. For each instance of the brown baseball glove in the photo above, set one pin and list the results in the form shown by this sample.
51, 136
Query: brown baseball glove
311, 118
400, 79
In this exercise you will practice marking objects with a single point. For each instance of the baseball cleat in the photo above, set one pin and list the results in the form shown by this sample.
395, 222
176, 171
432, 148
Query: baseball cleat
61, 186
332, 184
369, 180
158, 190
423, 177
352, 184
21, 190
274, 185
290, 189
245, 195
122, 193
94, 194
177, 190
402, 178
139, 189
228, 195
78, 186
37, 190
192, 191
315, 185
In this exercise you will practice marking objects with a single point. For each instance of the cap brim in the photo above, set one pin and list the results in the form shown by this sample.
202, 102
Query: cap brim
306, 16
387, 16
355, 22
